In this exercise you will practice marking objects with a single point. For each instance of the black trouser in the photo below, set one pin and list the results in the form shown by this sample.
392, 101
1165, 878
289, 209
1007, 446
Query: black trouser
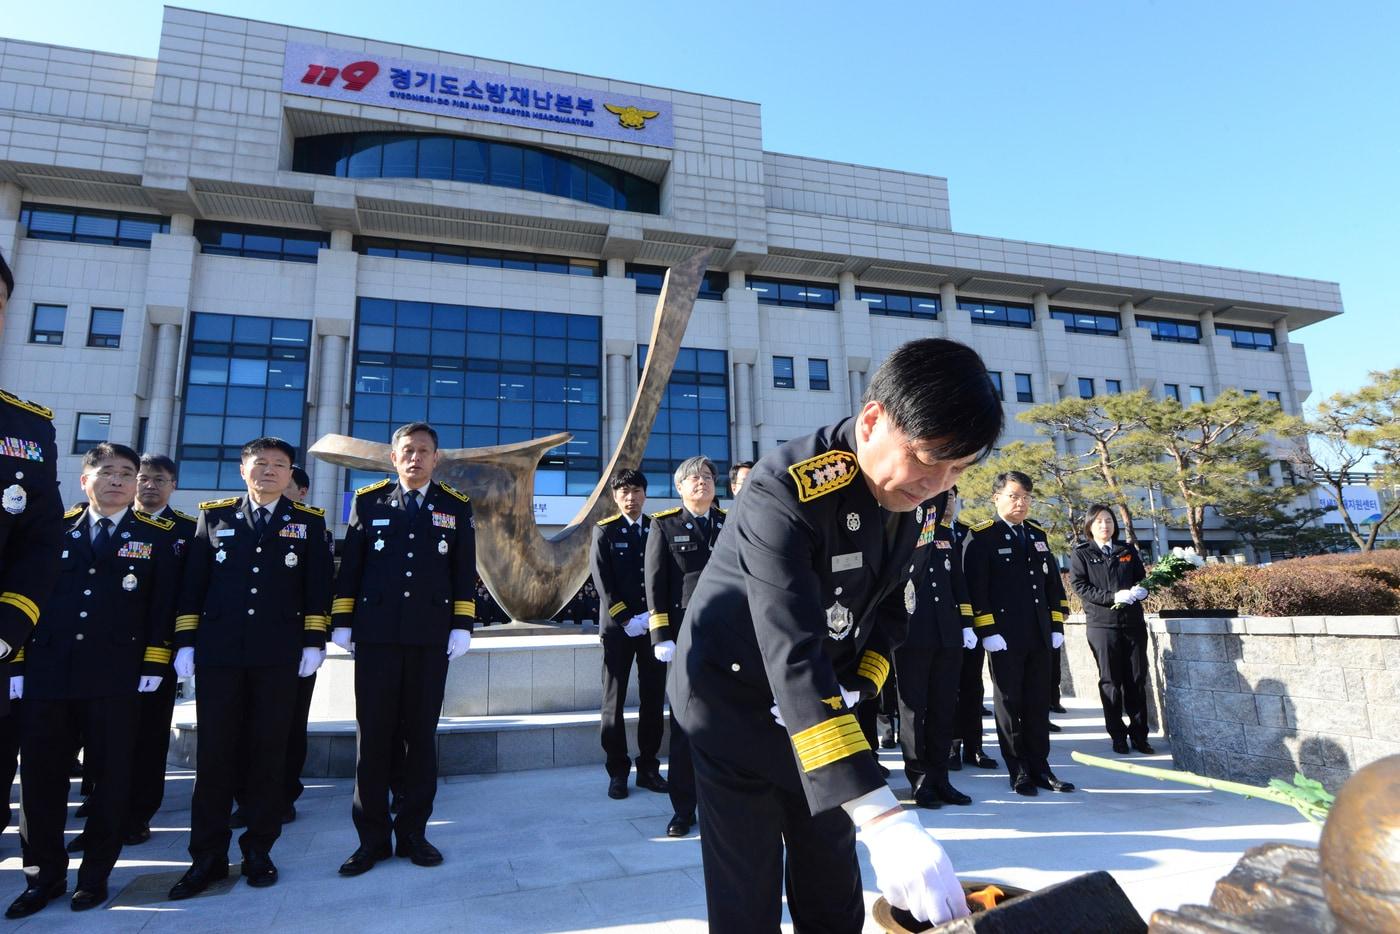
398, 699
928, 696
295, 759
1055, 676
745, 820
680, 780
1021, 691
967, 725
619, 652
1122, 658
9, 753
887, 708
232, 703
148, 757
48, 732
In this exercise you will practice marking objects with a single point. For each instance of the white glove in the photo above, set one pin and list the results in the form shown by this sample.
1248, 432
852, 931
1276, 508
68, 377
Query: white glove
1057, 639
458, 641
4, 649
912, 871
311, 659
1123, 596
777, 717
17, 687
664, 651
1139, 592
850, 697
184, 662
340, 635
637, 625
994, 644
148, 684
969, 639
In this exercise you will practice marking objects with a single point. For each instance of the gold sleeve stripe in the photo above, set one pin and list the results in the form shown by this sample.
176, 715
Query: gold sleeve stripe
659, 621
187, 623
315, 623
465, 608
1056, 616
22, 603
343, 605
874, 666
829, 741
157, 655
985, 619
617, 608
19, 656
965, 609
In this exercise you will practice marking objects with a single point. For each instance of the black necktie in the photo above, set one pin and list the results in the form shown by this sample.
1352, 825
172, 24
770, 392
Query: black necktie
634, 532
410, 504
1021, 537
259, 521
1108, 549
102, 542
702, 525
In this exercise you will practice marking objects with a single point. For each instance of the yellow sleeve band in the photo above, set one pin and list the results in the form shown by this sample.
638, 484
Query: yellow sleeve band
160, 656
617, 608
659, 621
965, 609
829, 741
187, 623
465, 608
19, 656
985, 619
342, 605
1056, 616
314, 623
874, 666
22, 603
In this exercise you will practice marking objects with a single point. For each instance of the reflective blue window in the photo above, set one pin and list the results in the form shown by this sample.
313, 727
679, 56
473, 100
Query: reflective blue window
245, 377
1243, 338
818, 374
693, 418
47, 325
793, 294
1024, 392
782, 373
508, 165
84, 225
1088, 322
292, 246
900, 304
1086, 387
650, 278
1000, 314
1171, 330
996, 381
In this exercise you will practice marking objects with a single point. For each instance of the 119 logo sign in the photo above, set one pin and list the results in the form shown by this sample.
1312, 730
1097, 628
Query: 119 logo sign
356, 75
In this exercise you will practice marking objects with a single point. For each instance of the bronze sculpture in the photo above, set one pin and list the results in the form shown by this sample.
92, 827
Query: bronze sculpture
530, 576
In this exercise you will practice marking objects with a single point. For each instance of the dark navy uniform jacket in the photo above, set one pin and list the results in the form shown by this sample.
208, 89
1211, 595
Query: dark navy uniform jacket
111, 614
617, 563
1016, 588
677, 551
943, 608
251, 601
809, 590
1096, 577
407, 581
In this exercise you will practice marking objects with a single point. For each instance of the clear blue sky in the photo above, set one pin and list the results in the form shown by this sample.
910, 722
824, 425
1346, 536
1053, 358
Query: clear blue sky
1252, 134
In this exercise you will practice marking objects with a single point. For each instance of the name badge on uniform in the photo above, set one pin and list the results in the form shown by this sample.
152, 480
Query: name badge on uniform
848, 562
680, 538
619, 544
15, 499
911, 601
1041, 546
135, 550
292, 530
129, 582
444, 520
224, 533
1003, 551
378, 522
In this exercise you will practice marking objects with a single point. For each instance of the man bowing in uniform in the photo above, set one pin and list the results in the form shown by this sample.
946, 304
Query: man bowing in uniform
793, 622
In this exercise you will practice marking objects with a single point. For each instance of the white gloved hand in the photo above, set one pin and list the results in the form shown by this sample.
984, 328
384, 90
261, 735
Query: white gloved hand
969, 638
637, 625
911, 870
17, 687
777, 717
1139, 592
994, 644
4, 649
184, 662
1057, 639
148, 684
341, 636
1123, 596
311, 659
850, 697
664, 651
458, 641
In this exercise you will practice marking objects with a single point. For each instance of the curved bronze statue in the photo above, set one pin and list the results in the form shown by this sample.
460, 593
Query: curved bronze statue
531, 576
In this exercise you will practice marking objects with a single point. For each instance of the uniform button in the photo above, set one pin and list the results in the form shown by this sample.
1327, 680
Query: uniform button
407, 573
405, 593
250, 611
255, 570
410, 535
734, 667
82, 615
87, 593
935, 599
258, 549
252, 590
837, 591
79, 636
1037, 599
92, 570
409, 555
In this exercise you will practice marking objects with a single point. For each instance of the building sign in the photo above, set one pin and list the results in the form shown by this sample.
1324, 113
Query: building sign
448, 91
1362, 503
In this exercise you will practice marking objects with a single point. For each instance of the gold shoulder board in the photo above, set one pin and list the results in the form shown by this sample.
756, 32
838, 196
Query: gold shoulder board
163, 524
34, 407
183, 515
72, 513
371, 487
314, 510
666, 512
451, 490
984, 524
612, 518
823, 474
216, 503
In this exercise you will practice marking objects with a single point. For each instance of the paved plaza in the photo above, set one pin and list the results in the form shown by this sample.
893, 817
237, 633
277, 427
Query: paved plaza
548, 851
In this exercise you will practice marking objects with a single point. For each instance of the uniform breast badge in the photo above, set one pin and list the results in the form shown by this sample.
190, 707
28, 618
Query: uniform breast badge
838, 621
15, 499
379, 544
853, 521
291, 559
220, 556
442, 547
129, 583
911, 600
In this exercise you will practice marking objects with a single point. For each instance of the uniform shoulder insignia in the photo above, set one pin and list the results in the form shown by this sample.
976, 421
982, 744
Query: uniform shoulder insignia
1034, 526
217, 503
722, 512
371, 487
73, 513
823, 474
33, 407
981, 526
163, 524
612, 518
185, 516
666, 512
314, 510
453, 491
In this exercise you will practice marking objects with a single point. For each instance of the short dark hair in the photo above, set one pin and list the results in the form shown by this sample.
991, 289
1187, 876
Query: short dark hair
626, 476
7, 277
300, 477
151, 461
1012, 476
109, 449
734, 471
1093, 513
258, 445
938, 390
412, 428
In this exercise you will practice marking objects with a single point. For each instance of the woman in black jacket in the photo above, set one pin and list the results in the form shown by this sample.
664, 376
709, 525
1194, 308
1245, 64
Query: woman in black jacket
1105, 572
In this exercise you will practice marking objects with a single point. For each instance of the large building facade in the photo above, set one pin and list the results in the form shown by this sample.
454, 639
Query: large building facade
270, 230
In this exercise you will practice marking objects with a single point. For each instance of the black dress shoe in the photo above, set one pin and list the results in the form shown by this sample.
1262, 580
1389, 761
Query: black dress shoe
258, 869
652, 781
1054, 727
617, 787
138, 836
419, 851
925, 796
85, 898
981, 760
363, 859
1049, 782
887, 741
679, 826
1058, 707
35, 898
199, 877
1120, 746
1144, 747
238, 820
76, 844
1024, 786
955, 761
946, 793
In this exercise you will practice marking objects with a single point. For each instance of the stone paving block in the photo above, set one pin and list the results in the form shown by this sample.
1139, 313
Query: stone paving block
1237, 707
1381, 686
1269, 650
460, 752
588, 681
1349, 652
1220, 736
579, 745
340, 756
1215, 676
1270, 710
618, 898
1330, 716
524, 749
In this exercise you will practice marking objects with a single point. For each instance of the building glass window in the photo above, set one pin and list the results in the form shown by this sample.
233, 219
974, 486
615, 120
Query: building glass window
1198, 394
105, 328
476, 256
693, 418
648, 281
47, 326
900, 304
82, 225
1171, 331
478, 162
793, 294
783, 377
818, 374
1243, 338
1086, 388
1024, 392
1088, 322
1113, 386
1251, 392
996, 382
1000, 314
90, 430
245, 379
1275, 397
218, 238
481, 377
1172, 391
